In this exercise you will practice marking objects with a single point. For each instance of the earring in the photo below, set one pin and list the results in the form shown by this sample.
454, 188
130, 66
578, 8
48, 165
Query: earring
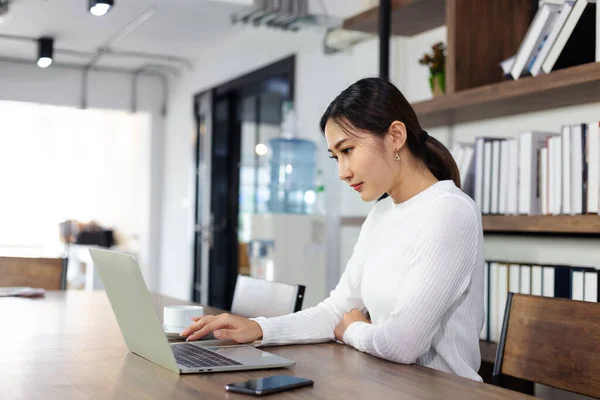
396, 156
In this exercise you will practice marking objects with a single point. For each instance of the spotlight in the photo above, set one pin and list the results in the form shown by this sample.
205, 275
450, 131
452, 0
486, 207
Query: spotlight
100, 7
45, 50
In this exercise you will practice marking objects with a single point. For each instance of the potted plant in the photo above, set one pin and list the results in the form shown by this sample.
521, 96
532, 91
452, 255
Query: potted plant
436, 61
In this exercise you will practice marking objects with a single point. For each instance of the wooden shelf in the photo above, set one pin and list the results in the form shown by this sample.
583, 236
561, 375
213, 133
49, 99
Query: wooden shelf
565, 87
588, 225
409, 17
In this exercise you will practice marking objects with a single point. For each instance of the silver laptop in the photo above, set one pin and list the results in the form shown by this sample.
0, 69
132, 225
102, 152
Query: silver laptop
132, 304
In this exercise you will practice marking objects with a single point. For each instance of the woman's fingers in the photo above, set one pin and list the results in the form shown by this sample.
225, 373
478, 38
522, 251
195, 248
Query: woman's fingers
208, 328
199, 324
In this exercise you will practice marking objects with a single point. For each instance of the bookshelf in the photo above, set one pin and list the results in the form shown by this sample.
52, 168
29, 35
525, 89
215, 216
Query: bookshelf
477, 38
565, 87
580, 225
565, 225
409, 17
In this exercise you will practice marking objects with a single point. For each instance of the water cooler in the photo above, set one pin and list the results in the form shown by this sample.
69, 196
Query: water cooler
288, 242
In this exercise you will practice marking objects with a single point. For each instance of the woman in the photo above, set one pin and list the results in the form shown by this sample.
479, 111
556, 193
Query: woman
418, 264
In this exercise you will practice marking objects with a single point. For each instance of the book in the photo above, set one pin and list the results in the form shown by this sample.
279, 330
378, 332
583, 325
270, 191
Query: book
577, 168
467, 170
593, 161
547, 281
566, 170
530, 144
478, 189
485, 332
590, 285
495, 186
513, 177
576, 42
544, 181
555, 181
536, 67
507, 65
538, 30
487, 177
504, 177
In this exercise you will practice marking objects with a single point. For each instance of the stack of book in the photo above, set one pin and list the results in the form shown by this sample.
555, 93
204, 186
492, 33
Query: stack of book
570, 282
538, 173
562, 34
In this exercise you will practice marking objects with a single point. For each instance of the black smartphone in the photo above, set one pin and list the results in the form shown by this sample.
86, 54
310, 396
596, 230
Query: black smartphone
268, 385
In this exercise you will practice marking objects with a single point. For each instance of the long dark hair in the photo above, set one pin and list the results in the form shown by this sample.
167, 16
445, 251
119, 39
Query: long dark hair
372, 104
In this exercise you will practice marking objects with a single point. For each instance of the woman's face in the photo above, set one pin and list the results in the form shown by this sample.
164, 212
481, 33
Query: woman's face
363, 160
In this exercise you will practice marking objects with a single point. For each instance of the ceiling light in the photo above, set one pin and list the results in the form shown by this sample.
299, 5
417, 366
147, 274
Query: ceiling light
100, 7
45, 50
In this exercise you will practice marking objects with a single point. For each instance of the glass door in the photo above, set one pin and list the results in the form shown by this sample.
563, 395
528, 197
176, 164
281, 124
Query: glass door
202, 223
260, 121
232, 174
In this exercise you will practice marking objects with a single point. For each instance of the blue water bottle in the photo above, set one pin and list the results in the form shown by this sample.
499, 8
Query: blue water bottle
292, 175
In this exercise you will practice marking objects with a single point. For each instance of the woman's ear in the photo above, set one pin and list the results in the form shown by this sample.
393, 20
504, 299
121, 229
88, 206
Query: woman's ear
397, 131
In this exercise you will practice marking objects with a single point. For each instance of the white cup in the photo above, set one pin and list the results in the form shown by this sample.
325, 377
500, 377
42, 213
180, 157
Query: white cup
177, 318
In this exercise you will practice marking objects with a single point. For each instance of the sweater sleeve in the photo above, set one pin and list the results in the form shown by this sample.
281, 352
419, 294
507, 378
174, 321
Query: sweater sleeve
445, 254
317, 324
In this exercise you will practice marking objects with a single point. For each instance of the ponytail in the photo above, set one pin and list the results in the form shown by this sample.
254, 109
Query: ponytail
439, 160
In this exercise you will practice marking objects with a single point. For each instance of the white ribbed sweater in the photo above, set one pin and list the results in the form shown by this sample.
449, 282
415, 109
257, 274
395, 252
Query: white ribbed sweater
418, 269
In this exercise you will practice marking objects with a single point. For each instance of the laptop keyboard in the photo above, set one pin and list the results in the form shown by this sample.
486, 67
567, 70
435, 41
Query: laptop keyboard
193, 356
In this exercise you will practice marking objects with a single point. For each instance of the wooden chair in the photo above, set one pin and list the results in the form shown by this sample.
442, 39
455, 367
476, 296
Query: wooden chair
45, 273
255, 297
551, 341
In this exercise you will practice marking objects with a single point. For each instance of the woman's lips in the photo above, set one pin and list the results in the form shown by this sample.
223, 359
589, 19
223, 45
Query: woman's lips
358, 186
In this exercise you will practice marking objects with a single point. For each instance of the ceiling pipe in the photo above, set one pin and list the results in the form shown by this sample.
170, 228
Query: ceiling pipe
107, 52
164, 82
117, 36
149, 70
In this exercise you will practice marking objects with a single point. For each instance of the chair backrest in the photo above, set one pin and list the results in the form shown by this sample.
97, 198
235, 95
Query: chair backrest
551, 341
45, 273
255, 297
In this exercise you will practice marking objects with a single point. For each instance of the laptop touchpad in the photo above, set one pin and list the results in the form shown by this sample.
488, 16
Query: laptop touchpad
239, 352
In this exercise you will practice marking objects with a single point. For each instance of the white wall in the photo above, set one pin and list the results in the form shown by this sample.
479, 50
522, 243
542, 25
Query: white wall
61, 86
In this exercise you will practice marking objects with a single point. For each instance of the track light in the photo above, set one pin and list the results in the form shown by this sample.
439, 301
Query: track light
100, 7
45, 50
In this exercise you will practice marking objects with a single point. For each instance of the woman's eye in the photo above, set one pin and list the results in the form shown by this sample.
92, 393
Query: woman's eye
347, 150
334, 158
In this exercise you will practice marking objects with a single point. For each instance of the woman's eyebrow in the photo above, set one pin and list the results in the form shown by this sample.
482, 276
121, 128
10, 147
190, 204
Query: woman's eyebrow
337, 145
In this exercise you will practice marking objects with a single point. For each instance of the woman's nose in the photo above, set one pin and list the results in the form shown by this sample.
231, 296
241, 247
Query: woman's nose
345, 173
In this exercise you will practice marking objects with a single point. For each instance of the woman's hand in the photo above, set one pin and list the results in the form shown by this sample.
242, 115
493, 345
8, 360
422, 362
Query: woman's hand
353, 316
224, 326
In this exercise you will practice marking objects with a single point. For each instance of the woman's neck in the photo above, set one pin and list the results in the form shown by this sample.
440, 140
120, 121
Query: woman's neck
412, 183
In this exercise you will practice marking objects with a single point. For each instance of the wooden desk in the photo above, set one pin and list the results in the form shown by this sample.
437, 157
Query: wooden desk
68, 346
